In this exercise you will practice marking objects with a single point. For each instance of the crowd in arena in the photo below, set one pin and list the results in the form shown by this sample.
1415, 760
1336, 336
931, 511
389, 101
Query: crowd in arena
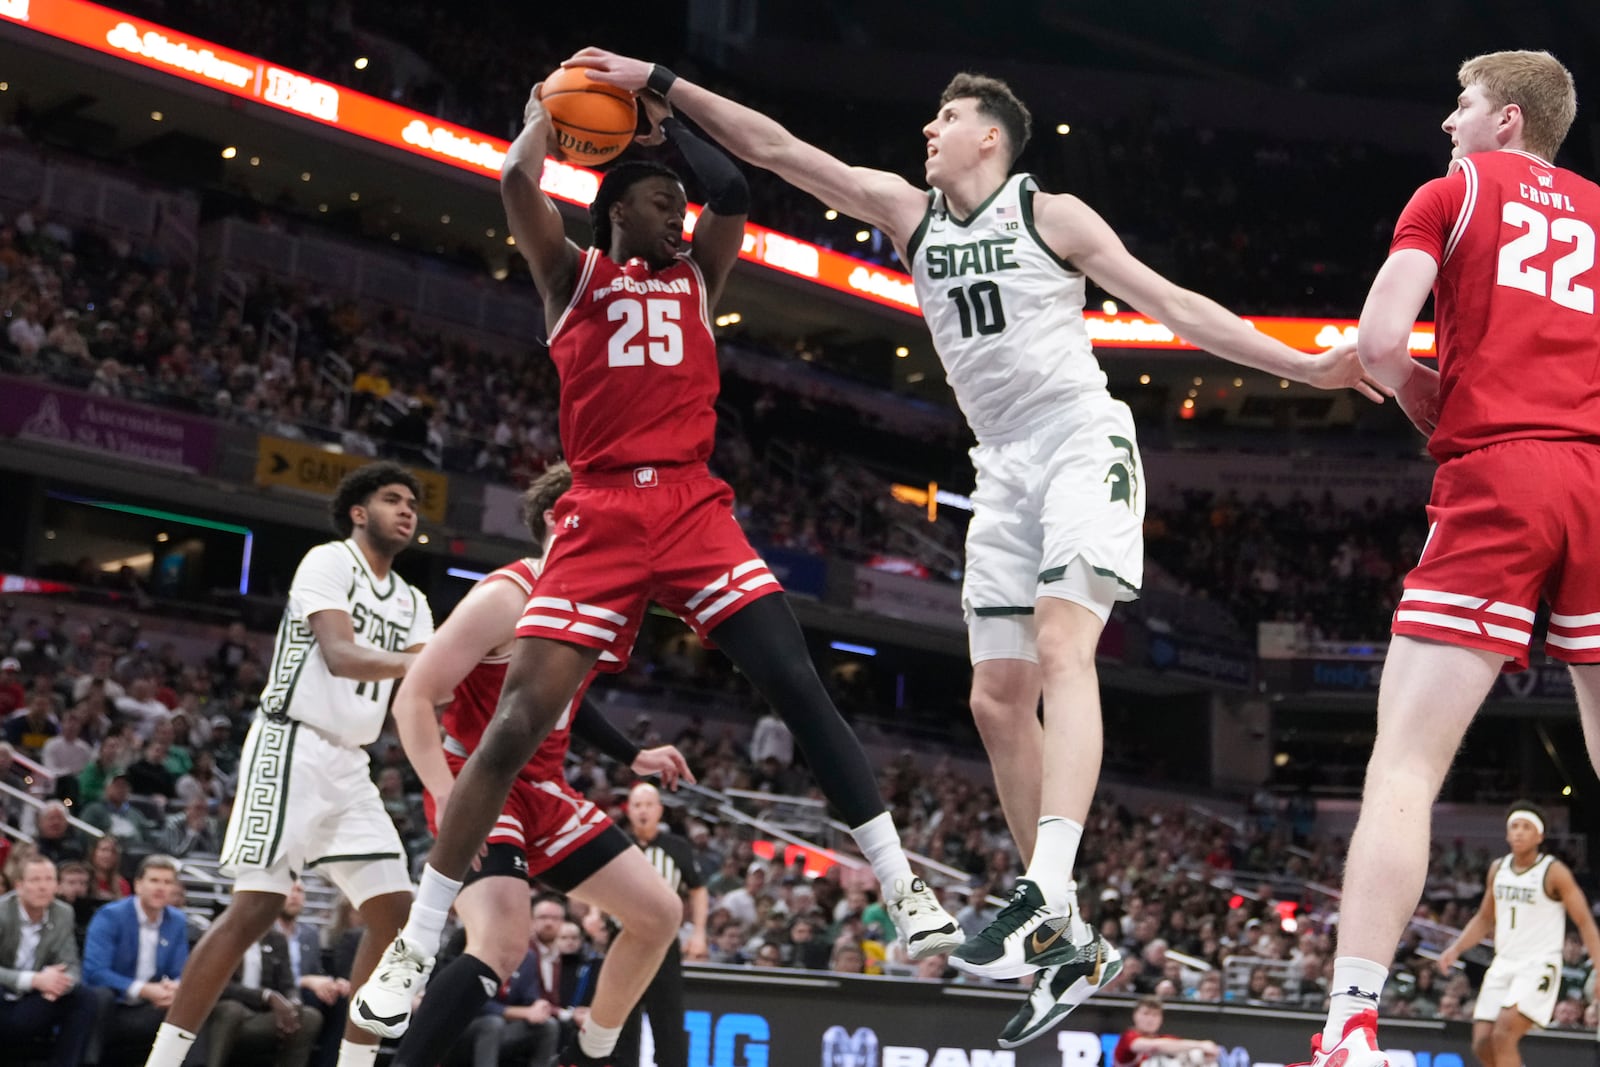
142, 744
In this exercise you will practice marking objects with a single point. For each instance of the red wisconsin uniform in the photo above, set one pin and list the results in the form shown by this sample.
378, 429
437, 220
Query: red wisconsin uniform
1515, 511
543, 816
644, 519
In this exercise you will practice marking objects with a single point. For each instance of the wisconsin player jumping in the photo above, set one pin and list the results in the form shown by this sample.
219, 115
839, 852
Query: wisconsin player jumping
1056, 537
1527, 902
645, 520
306, 796
546, 830
1506, 243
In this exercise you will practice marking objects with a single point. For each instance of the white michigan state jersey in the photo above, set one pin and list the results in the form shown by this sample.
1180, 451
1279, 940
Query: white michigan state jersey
387, 614
1528, 925
1005, 312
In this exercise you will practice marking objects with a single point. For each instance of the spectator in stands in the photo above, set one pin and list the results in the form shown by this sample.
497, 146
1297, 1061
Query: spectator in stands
232, 652
741, 903
521, 1024
105, 871
1209, 989
12, 776
194, 829
136, 948
727, 944
110, 761
67, 754
98, 679
319, 990
54, 836
202, 780
12, 693
771, 740
116, 815
848, 958
30, 728
40, 971
260, 1009
72, 888
1145, 1039
148, 775
141, 708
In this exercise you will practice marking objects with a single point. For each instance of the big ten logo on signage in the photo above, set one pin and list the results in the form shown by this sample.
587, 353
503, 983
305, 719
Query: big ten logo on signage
842, 1047
312, 469
728, 1040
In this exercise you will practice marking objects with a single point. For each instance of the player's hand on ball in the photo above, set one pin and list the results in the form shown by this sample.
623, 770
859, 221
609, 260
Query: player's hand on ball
533, 112
656, 109
608, 67
666, 761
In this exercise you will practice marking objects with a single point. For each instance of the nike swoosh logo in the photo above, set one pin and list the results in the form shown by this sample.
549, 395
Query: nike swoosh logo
1099, 965
386, 1020
1039, 946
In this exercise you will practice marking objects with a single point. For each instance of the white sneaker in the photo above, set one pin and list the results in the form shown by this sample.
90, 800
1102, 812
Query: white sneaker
1358, 1047
383, 1005
924, 925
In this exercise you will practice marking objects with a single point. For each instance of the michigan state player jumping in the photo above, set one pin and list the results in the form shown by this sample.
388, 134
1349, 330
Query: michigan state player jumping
1055, 539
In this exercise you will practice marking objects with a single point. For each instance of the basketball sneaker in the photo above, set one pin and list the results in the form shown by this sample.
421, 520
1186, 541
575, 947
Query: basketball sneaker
383, 1005
1025, 937
1357, 1048
1060, 988
921, 920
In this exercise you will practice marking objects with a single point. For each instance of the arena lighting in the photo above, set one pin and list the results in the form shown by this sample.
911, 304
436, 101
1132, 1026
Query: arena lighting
902, 351
151, 45
462, 572
845, 646
187, 520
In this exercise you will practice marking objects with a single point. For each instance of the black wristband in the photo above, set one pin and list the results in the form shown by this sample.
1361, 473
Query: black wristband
661, 80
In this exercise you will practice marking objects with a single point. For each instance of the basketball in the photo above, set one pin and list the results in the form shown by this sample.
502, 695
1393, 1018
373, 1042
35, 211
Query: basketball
593, 121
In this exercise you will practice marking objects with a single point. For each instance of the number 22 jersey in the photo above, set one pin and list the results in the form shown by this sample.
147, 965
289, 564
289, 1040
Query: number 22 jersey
638, 366
1518, 341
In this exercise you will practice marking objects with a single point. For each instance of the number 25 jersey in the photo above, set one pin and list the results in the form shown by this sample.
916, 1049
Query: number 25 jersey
638, 366
1519, 344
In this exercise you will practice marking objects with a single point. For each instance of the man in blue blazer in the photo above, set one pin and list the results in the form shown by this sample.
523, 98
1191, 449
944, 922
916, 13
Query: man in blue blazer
136, 949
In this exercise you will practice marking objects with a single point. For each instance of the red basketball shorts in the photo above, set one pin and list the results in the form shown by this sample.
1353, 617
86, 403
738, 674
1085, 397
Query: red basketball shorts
626, 538
549, 822
1507, 525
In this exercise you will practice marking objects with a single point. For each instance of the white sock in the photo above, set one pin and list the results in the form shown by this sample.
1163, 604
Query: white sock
596, 1040
1357, 984
880, 843
1054, 854
172, 1045
354, 1055
425, 924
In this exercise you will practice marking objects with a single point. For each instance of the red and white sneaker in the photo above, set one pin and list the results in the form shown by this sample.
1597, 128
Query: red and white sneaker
1357, 1048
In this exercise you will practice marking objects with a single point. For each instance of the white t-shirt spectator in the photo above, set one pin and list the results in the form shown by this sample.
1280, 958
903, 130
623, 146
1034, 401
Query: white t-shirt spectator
772, 738
145, 713
61, 756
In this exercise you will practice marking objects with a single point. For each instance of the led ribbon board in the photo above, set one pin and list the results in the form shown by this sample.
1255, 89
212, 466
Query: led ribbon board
185, 56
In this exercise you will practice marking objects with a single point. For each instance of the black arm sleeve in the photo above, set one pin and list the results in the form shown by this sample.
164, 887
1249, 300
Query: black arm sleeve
727, 193
591, 725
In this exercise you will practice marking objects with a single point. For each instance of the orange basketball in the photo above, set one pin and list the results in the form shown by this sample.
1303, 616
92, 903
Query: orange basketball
594, 121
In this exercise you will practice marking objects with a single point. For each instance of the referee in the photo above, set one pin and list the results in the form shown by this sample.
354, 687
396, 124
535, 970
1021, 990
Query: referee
673, 857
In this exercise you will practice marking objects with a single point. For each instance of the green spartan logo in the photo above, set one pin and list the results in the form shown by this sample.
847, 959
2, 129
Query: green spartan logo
1124, 473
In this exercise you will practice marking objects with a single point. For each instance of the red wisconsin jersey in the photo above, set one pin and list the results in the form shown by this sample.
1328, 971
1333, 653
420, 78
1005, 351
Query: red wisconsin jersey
475, 699
638, 366
1519, 344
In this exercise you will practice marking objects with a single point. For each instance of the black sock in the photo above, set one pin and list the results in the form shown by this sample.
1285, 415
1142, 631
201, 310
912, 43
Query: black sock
764, 641
453, 1000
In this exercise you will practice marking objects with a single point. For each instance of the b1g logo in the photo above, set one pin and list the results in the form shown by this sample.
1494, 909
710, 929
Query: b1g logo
841, 1048
733, 1041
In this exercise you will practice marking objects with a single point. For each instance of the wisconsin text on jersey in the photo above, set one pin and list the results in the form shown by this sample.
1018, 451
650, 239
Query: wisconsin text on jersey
623, 283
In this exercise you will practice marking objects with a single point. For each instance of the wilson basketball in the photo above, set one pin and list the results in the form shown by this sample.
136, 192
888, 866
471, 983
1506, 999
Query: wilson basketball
593, 121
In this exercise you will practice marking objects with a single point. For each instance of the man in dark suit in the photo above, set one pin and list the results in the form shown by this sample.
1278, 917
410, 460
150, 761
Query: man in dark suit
522, 1024
40, 995
136, 948
330, 996
259, 1009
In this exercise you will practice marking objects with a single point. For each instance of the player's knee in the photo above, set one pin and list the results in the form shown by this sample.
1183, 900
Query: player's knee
657, 917
1483, 1048
1066, 653
999, 713
502, 955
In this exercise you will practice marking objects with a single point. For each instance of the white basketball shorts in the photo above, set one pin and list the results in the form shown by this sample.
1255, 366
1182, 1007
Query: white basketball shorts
1532, 988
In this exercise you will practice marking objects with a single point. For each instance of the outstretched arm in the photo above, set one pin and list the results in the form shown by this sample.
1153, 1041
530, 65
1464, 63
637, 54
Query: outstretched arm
1480, 926
719, 232
535, 221
484, 620
1075, 232
878, 197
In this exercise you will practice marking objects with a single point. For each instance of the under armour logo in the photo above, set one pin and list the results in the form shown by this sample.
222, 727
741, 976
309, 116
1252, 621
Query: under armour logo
571, 522
1357, 991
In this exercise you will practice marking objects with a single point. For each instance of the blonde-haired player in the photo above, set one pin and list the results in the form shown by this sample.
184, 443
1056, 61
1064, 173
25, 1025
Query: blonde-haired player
1529, 897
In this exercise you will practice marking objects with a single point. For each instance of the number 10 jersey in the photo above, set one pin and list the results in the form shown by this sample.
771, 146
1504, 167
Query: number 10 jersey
638, 366
1006, 314
1519, 344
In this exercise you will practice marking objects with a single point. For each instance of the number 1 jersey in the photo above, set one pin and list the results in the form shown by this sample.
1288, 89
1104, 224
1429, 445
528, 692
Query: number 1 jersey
1518, 341
638, 366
